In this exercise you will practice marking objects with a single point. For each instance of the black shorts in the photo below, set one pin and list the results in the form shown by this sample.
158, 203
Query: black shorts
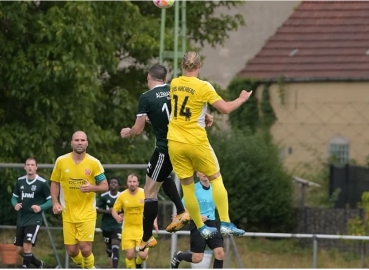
198, 243
26, 234
159, 167
110, 235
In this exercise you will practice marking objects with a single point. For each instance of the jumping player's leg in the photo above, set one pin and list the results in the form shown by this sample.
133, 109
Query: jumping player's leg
206, 162
182, 217
151, 207
180, 156
158, 170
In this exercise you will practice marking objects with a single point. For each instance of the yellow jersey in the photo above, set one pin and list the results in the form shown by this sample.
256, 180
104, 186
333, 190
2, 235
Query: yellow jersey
189, 98
133, 206
77, 206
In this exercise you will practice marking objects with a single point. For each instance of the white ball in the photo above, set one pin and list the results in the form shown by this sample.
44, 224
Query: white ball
163, 3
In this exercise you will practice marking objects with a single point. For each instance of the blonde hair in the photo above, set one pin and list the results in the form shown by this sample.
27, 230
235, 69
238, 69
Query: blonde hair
191, 61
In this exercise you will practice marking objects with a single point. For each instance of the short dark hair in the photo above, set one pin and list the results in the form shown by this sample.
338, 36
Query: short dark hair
113, 177
30, 158
158, 72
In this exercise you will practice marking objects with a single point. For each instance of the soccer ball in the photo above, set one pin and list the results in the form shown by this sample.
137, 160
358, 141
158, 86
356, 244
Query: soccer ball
163, 3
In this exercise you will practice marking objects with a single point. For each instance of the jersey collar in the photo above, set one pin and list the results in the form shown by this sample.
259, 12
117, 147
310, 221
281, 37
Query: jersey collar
34, 180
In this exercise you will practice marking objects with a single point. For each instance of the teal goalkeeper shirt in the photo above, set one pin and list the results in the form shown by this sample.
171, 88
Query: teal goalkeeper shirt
205, 198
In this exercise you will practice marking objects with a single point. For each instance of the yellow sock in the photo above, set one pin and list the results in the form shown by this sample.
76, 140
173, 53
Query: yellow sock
89, 261
139, 260
78, 260
191, 204
220, 197
130, 263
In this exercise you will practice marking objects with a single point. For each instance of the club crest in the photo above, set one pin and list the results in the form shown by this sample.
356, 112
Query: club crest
87, 172
33, 188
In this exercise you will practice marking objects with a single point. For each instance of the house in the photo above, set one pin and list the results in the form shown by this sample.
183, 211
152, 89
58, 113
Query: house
318, 63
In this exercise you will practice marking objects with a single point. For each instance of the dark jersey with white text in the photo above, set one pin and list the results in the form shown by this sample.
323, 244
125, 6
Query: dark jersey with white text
106, 201
31, 192
155, 103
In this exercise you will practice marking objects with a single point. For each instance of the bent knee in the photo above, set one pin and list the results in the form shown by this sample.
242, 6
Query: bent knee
86, 248
197, 257
20, 250
72, 250
219, 253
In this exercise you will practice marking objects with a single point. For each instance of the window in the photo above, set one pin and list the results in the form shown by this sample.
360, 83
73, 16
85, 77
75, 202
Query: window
339, 149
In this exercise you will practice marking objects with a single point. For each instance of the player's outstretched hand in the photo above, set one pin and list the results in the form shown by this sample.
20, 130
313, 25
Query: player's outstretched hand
18, 206
36, 208
244, 95
57, 208
124, 133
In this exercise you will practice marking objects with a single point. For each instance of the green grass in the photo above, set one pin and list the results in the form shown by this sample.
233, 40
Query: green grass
255, 253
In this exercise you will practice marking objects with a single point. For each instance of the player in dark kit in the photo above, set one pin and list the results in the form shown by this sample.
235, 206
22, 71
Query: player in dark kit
31, 196
111, 229
155, 105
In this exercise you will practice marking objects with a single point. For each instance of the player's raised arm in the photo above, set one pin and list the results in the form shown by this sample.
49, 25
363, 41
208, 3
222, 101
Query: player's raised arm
138, 127
226, 107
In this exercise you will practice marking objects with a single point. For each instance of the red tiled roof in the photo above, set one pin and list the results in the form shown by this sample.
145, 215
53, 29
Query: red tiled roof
320, 40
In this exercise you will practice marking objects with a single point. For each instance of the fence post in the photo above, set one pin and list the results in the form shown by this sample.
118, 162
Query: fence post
66, 260
315, 251
227, 251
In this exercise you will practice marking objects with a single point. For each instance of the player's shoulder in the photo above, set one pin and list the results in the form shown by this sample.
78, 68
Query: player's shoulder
141, 190
64, 158
104, 194
92, 159
41, 179
22, 178
206, 84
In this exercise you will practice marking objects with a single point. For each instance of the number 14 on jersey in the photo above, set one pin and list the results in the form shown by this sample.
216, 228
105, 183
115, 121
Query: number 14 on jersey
184, 111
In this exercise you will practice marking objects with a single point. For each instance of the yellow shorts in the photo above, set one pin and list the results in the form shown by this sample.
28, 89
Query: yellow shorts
78, 232
130, 243
188, 158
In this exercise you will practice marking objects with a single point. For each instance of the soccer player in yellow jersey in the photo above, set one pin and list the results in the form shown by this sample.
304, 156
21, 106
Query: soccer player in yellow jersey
75, 179
131, 202
189, 147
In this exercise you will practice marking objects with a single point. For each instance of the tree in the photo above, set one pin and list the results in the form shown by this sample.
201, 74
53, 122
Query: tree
259, 190
59, 73
59, 70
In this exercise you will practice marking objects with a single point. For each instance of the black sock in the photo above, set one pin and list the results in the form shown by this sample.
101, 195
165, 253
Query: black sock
115, 256
139, 266
150, 213
108, 250
187, 257
27, 258
36, 262
170, 189
218, 263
